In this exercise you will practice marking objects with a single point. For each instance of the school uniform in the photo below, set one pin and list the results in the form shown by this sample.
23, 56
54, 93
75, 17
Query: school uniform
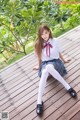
50, 55
51, 64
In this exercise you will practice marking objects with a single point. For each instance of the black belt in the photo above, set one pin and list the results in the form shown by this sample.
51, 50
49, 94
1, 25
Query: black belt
50, 60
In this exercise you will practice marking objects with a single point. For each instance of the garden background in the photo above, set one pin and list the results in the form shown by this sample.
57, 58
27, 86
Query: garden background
20, 19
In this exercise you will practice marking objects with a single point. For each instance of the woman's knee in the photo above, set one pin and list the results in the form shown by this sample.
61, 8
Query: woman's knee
44, 72
49, 66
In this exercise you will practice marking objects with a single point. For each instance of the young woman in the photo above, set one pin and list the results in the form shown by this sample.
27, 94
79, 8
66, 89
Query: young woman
48, 51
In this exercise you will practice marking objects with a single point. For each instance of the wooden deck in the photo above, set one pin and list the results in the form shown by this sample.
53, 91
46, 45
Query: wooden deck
19, 86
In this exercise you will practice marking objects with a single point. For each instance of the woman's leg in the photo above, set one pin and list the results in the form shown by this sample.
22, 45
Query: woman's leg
42, 85
50, 68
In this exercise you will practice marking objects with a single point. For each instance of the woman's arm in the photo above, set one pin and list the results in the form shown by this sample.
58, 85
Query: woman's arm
63, 59
37, 66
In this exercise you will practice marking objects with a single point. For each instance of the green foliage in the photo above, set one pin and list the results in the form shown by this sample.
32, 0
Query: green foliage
14, 58
20, 19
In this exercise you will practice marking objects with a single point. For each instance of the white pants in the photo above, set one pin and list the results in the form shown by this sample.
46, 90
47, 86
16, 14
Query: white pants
45, 73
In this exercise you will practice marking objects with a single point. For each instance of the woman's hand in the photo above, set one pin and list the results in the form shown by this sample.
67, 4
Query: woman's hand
67, 61
36, 67
63, 59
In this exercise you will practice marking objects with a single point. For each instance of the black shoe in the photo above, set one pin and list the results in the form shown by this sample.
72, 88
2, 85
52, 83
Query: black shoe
72, 92
39, 109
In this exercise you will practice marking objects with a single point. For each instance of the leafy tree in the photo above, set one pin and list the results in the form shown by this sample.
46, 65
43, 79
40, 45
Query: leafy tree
19, 21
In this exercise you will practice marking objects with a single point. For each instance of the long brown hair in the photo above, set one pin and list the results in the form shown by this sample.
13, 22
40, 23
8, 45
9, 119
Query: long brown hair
39, 41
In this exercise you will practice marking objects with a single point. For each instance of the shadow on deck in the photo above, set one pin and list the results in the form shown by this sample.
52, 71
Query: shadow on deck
19, 86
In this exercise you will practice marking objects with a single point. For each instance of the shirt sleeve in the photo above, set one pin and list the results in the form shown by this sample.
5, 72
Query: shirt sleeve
58, 44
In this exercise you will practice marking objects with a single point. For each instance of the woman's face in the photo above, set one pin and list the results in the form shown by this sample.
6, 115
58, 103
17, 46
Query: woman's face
45, 35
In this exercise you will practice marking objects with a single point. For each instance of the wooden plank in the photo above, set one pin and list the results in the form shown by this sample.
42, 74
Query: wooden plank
49, 110
15, 81
13, 68
18, 91
24, 89
27, 105
12, 65
72, 36
65, 107
72, 111
76, 116
44, 98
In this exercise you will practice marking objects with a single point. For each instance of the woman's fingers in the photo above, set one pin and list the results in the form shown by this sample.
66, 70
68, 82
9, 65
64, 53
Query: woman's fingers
67, 61
36, 68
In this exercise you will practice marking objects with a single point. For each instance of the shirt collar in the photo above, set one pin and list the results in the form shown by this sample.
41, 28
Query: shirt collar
49, 41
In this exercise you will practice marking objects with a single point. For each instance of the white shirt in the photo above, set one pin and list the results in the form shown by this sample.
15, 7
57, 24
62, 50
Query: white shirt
54, 51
